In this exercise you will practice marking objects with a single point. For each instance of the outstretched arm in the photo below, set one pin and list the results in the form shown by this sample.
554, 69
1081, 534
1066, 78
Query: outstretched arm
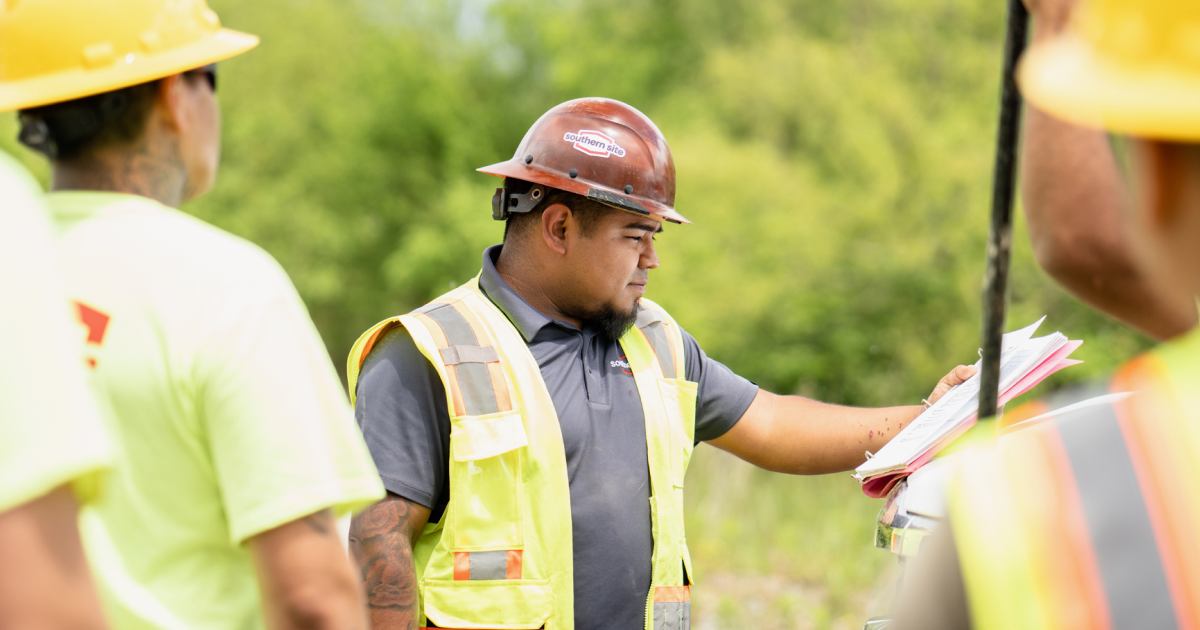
1073, 194
796, 435
382, 538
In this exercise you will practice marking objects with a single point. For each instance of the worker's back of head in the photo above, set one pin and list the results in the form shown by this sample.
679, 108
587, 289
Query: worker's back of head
98, 84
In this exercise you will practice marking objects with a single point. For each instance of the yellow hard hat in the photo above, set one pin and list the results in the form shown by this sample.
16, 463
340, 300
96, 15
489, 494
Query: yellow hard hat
1129, 66
59, 50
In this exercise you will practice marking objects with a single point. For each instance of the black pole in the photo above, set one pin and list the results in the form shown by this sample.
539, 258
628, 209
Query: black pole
999, 247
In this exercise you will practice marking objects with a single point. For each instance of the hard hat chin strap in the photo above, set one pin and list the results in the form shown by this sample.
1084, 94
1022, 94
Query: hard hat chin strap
505, 202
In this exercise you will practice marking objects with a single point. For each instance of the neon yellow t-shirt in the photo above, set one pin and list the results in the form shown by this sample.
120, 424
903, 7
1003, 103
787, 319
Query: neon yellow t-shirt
229, 415
50, 431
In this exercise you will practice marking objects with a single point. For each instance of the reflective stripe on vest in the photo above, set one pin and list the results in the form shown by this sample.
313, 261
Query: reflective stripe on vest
1083, 522
672, 608
501, 555
476, 380
488, 565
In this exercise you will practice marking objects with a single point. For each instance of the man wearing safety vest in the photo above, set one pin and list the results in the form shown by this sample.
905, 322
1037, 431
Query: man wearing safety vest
533, 427
53, 445
235, 446
1090, 520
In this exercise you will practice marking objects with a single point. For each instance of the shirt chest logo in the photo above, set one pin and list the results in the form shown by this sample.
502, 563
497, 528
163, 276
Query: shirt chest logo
621, 363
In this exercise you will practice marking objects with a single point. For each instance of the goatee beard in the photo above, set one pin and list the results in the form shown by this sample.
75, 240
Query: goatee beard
613, 324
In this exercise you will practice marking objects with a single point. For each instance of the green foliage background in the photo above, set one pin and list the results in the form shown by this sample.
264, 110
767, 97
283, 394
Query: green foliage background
834, 155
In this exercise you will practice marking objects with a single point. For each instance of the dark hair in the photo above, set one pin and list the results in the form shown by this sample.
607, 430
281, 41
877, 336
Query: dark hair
587, 212
66, 130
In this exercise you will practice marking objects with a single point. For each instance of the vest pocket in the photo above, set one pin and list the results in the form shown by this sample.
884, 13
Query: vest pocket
505, 604
679, 398
485, 481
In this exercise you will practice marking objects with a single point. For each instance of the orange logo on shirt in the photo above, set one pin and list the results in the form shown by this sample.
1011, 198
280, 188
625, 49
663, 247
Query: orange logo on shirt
96, 323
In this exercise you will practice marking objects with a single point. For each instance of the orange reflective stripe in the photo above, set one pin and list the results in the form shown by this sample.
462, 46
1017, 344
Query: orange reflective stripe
1022, 413
459, 331
513, 570
663, 338
500, 386
675, 341
435, 330
1066, 571
366, 349
439, 339
465, 311
462, 565
656, 335
495, 372
1114, 505
673, 594
1153, 424
650, 343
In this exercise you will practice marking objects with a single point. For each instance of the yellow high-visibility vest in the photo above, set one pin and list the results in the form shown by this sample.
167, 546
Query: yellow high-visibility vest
1092, 520
501, 555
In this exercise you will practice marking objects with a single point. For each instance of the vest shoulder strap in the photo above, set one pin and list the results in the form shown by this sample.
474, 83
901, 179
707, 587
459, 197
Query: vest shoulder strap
476, 380
464, 353
665, 338
361, 348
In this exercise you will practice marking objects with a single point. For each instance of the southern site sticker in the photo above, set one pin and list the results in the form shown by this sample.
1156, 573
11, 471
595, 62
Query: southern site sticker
594, 143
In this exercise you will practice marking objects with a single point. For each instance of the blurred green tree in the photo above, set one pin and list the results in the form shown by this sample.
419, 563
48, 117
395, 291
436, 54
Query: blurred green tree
833, 154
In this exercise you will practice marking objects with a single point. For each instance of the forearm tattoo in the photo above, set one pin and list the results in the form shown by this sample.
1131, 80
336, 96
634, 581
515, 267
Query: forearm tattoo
381, 540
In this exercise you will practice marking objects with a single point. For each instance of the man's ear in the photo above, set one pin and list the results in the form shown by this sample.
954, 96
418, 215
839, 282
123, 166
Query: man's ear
1165, 169
172, 100
554, 227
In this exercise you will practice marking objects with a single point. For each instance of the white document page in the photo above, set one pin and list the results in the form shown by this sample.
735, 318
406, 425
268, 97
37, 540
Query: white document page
1019, 355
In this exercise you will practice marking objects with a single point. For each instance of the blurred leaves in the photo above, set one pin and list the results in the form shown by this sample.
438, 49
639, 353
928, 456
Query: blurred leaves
835, 156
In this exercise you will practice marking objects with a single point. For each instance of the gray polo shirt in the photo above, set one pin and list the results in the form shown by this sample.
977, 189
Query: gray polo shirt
402, 412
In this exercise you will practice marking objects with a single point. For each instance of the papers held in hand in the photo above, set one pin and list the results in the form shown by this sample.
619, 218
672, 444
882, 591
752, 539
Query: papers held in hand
1025, 361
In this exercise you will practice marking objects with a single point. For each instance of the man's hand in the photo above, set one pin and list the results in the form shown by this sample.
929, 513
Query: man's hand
382, 538
957, 376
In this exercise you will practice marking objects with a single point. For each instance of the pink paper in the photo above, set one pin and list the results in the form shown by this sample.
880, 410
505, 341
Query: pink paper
1052, 364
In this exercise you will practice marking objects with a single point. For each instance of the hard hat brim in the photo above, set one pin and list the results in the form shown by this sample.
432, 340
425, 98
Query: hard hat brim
560, 181
70, 85
1068, 79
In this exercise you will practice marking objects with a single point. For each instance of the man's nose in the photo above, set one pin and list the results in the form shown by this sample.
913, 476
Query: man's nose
649, 258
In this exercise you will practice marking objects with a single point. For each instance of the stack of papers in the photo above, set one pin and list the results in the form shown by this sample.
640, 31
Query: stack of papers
1025, 361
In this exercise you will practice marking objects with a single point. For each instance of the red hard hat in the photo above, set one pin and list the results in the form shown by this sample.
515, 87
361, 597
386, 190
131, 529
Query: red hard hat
602, 149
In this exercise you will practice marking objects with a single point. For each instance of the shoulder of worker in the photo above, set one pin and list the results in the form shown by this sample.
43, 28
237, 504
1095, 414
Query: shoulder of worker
51, 432
396, 349
148, 241
18, 185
